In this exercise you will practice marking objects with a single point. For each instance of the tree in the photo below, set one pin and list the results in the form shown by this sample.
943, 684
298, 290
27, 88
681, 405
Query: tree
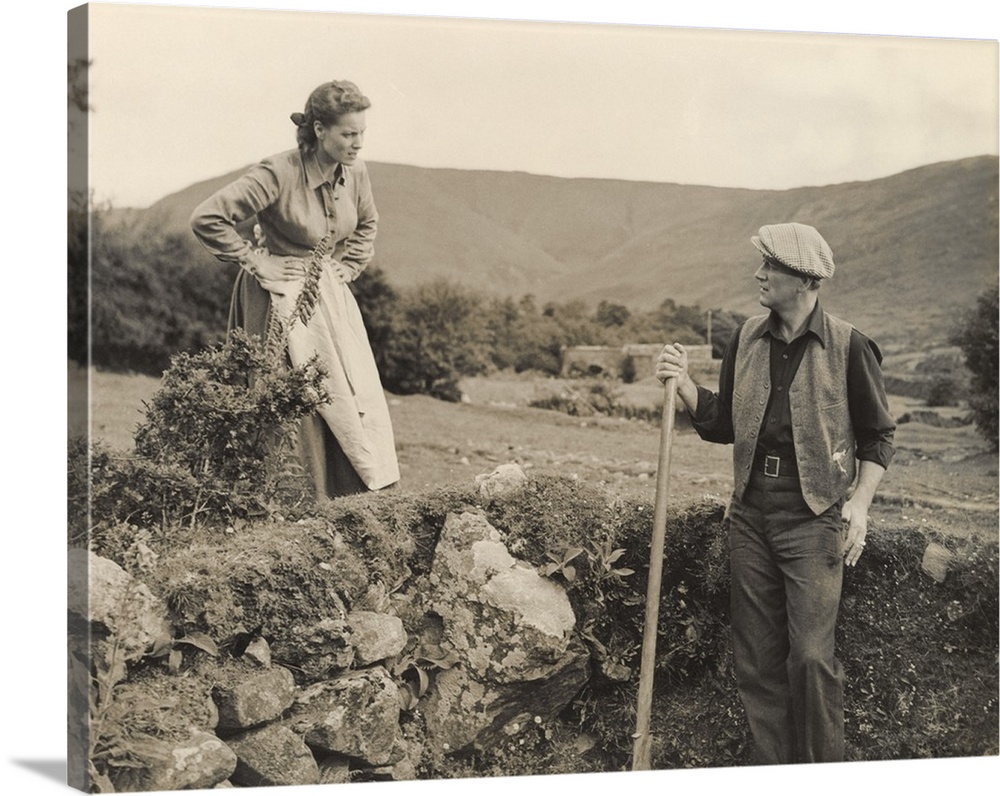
440, 337
78, 214
610, 314
378, 302
977, 337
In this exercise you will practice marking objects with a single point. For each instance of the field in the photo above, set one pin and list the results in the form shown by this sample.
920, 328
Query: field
943, 478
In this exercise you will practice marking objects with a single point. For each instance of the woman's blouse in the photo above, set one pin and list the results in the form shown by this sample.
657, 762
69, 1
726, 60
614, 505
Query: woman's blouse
295, 207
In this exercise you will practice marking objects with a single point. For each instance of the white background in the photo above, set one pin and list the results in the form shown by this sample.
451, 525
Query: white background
33, 435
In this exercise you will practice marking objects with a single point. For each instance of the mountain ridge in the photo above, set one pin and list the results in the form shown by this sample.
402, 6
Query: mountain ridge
913, 250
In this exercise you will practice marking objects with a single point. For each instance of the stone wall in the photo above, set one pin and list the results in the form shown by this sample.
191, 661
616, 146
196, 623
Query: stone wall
482, 645
633, 361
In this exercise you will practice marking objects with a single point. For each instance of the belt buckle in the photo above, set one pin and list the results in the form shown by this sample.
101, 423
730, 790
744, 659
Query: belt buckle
772, 466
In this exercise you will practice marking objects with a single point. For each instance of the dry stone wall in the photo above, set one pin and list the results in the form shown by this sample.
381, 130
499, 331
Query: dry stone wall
328, 701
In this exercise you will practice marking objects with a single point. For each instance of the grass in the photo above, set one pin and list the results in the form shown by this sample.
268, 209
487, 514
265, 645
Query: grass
115, 404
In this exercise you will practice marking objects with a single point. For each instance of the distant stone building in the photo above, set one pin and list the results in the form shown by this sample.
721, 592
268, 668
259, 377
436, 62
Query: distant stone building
633, 362
592, 360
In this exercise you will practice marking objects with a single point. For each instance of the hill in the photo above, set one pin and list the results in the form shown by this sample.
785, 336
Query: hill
912, 249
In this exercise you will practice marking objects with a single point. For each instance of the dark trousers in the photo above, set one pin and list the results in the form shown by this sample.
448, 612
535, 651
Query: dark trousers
787, 573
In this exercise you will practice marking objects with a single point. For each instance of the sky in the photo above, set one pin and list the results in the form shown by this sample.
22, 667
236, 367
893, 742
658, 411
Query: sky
182, 94
181, 108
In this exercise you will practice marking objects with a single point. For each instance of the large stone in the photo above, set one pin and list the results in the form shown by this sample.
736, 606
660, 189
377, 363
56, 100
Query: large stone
201, 761
462, 711
316, 650
254, 700
105, 594
272, 755
355, 714
506, 622
375, 636
512, 632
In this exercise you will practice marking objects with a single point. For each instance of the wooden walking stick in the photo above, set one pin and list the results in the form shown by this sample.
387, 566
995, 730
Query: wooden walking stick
641, 747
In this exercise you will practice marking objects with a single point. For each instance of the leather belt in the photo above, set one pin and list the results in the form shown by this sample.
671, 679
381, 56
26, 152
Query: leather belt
776, 466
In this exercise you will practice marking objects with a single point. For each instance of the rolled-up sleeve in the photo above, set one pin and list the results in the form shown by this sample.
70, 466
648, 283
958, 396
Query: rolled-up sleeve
713, 417
214, 220
874, 426
359, 246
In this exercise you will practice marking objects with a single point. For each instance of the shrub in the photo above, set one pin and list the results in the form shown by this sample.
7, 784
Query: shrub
977, 337
148, 298
942, 392
596, 396
229, 416
216, 445
439, 338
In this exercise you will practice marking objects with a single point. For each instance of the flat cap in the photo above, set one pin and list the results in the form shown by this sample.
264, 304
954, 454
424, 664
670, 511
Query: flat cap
796, 246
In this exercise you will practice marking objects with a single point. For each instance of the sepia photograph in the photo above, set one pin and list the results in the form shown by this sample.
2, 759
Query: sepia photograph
541, 397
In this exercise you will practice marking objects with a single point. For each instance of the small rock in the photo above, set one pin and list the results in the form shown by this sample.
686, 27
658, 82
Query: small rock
375, 636
504, 480
259, 651
316, 650
936, 561
356, 714
202, 761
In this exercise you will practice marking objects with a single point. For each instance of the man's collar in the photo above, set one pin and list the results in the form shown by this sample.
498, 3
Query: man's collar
815, 325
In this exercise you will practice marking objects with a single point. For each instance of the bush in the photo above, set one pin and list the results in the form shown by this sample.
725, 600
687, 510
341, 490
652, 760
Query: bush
977, 337
148, 299
942, 392
229, 416
217, 444
586, 398
439, 338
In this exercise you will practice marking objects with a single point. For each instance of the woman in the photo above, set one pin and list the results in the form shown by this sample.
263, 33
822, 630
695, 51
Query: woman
316, 194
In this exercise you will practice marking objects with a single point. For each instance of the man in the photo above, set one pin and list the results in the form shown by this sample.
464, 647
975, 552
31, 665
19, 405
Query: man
801, 397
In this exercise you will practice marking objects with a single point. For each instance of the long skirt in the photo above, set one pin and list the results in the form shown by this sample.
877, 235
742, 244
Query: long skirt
347, 446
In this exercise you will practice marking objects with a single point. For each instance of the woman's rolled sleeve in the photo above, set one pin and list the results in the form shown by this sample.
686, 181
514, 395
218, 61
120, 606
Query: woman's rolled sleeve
214, 220
359, 246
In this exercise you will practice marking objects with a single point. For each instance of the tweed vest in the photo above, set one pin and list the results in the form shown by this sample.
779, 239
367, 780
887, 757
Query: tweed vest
822, 432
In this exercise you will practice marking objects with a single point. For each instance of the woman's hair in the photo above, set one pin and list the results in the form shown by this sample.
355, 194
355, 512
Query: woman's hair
326, 105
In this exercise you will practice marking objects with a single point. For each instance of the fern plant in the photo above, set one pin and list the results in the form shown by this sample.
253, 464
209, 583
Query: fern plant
305, 303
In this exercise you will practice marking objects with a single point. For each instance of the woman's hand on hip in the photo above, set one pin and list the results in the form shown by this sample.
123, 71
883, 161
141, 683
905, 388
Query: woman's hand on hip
268, 268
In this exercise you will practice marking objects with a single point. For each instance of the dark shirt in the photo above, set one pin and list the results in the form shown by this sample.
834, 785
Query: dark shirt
874, 427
